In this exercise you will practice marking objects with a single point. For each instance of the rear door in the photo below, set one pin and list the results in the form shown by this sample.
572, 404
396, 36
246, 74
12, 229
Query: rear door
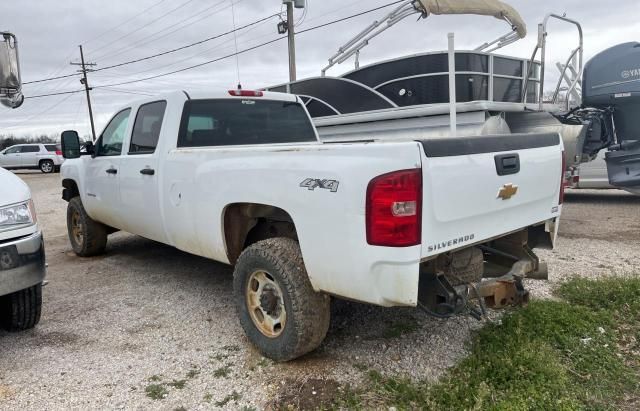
139, 175
477, 188
102, 196
11, 157
29, 156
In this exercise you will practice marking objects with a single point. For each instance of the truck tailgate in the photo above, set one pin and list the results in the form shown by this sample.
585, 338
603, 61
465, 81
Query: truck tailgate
477, 188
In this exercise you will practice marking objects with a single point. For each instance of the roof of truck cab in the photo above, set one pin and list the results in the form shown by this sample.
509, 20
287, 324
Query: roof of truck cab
224, 94
210, 95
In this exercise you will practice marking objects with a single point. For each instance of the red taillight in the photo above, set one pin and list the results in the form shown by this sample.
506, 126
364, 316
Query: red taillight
563, 179
394, 209
246, 93
58, 152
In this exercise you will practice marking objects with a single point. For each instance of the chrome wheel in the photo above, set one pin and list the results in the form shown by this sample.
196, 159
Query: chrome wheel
76, 228
46, 167
266, 304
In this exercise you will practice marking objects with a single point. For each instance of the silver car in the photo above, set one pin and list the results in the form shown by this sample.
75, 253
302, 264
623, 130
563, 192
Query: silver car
45, 157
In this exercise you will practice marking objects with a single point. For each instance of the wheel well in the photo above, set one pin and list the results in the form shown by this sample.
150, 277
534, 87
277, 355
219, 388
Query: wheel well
43, 160
70, 189
247, 223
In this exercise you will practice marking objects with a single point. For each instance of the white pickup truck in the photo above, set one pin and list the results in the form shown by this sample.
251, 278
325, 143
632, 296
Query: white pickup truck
241, 177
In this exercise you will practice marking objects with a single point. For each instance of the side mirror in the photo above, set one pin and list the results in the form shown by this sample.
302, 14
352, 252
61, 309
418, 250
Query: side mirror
70, 144
10, 82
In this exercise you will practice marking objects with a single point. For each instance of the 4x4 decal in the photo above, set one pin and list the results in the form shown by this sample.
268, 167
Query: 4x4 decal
313, 183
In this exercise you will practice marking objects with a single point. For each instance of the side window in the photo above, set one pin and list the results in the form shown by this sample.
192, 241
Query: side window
110, 143
146, 129
13, 150
30, 149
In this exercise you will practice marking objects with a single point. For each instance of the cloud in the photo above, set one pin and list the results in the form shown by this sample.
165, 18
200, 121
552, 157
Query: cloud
49, 33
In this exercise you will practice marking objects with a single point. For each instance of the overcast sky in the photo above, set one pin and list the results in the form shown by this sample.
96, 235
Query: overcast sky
111, 32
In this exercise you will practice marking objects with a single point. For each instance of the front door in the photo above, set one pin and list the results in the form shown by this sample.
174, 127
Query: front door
140, 175
11, 157
102, 196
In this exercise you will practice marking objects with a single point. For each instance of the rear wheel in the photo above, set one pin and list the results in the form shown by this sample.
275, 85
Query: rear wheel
279, 310
21, 310
87, 237
47, 166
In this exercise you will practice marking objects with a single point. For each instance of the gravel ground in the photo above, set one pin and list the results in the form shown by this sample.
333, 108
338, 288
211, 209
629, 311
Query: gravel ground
146, 317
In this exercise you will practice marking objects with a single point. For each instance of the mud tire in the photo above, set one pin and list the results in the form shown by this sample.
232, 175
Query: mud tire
88, 237
307, 312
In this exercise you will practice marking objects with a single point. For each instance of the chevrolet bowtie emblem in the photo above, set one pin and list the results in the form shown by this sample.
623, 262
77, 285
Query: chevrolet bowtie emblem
507, 191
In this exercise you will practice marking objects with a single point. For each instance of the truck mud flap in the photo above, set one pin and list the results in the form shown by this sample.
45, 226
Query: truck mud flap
623, 166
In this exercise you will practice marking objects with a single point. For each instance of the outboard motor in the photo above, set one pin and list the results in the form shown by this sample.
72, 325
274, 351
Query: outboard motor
611, 82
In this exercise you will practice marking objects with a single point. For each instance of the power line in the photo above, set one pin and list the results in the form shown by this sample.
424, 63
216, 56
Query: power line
56, 77
194, 66
126, 91
254, 47
217, 36
125, 22
140, 28
164, 33
28, 119
264, 44
55, 94
198, 54
50, 79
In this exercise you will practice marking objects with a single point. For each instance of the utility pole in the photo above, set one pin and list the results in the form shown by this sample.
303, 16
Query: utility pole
86, 87
289, 27
292, 42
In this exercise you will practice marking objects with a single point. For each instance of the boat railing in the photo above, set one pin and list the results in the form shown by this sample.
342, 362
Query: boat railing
574, 64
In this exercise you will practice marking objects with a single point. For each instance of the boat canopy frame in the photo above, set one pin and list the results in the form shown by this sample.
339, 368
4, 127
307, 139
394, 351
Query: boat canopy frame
570, 72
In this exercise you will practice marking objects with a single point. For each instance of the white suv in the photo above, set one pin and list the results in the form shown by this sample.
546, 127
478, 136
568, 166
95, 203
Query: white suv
46, 157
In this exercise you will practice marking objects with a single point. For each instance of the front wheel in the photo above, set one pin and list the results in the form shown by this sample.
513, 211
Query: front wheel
47, 166
87, 237
21, 310
279, 310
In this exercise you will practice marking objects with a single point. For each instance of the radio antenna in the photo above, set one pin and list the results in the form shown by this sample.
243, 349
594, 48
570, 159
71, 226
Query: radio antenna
235, 39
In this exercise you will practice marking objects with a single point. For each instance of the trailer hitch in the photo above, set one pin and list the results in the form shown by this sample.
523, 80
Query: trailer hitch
508, 289
438, 298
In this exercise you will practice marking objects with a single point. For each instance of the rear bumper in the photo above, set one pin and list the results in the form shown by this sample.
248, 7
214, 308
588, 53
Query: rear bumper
22, 263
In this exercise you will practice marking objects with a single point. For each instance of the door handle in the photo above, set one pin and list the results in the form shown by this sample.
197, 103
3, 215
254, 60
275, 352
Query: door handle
112, 171
147, 171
